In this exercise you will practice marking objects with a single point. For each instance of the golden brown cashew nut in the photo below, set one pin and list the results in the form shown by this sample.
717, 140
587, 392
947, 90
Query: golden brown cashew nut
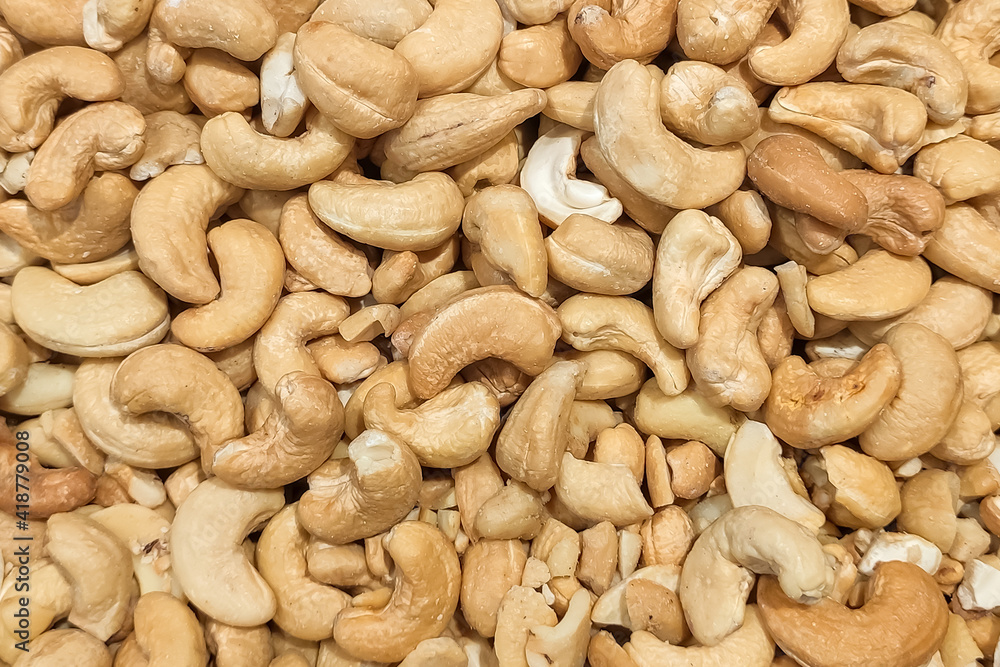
750, 646
808, 410
590, 255
427, 585
927, 402
53, 490
108, 24
306, 608
817, 29
364, 494
32, 89
178, 380
294, 439
718, 572
651, 159
703, 103
965, 246
218, 82
726, 363
960, 167
504, 323
246, 158
384, 23
98, 566
695, 255
356, 101
902, 624
598, 492
416, 215
878, 286
540, 55
168, 633
850, 116
111, 318
207, 555
489, 569
608, 33
593, 322
906, 57
454, 45
48, 23
251, 269
720, 32
102, 136
450, 430
970, 32
169, 218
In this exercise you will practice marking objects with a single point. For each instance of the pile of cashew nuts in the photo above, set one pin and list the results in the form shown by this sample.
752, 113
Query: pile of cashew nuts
499, 333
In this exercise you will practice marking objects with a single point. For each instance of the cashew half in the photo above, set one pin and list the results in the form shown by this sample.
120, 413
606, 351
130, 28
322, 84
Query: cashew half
970, 32
817, 28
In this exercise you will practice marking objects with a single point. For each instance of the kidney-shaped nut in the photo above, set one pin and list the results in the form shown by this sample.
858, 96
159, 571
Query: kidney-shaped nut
178, 380
248, 159
103, 136
489, 569
451, 429
114, 317
169, 218
217, 83
726, 362
168, 632
549, 176
648, 156
906, 57
453, 47
927, 402
878, 286
703, 103
850, 116
416, 215
970, 32
598, 492
66, 646
902, 624
53, 490
854, 490
108, 24
207, 555
33, 88
695, 255
608, 33
808, 410
383, 24
720, 32
364, 494
294, 440
960, 167
718, 572
539, 55
594, 322
428, 580
500, 321
965, 246
817, 29
99, 568
590, 255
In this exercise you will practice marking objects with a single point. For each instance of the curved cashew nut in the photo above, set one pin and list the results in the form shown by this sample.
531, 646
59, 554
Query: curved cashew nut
727, 363
695, 254
283, 103
506, 324
720, 32
207, 555
103, 136
294, 440
756, 475
718, 572
108, 24
93, 227
861, 291
598, 492
549, 176
280, 346
817, 28
47, 386
906, 57
539, 56
419, 214
750, 646
808, 410
648, 156
593, 322
249, 159
111, 318
424, 599
99, 568
960, 167
32, 89
152, 440
853, 489
66, 647
144, 534
251, 269
385, 23
704, 103
964, 246
970, 32
608, 34
454, 45
169, 219
902, 624
451, 429
358, 103
178, 380
590, 255
168, 633
364, 494
306, 608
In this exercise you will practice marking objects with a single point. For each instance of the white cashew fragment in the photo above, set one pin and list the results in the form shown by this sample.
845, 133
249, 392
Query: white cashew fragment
980, 587
549, 176
902, 547
209, 561
564, 644
282, 100
755, 475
